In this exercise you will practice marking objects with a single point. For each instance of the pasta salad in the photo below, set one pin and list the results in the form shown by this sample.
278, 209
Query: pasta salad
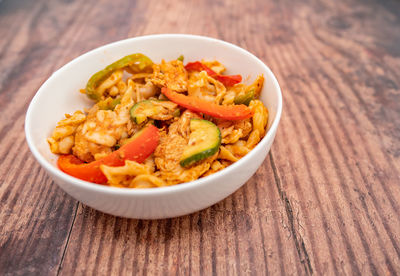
154, 125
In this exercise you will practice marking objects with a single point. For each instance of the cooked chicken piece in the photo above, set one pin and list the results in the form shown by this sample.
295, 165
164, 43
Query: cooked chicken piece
86, 150
169, 151
170, 74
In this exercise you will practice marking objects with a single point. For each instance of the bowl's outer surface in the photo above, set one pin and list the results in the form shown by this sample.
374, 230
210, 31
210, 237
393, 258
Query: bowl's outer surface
59, 95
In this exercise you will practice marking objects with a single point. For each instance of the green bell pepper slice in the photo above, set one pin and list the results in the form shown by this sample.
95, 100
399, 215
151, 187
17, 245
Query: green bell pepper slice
245, 98
136, 63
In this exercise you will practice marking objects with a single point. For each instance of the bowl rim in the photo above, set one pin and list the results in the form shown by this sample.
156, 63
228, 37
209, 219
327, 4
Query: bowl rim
160, 190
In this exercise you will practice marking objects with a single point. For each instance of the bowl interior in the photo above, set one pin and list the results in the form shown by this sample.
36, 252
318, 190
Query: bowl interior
60, 93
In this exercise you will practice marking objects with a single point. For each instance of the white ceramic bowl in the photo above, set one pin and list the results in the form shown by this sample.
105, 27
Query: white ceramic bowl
60, 95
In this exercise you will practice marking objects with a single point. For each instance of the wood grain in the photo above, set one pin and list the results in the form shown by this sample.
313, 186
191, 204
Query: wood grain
325, 201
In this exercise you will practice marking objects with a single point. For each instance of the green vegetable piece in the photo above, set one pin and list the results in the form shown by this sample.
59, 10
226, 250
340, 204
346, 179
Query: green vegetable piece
144, 109
109, 103
204, 141
181, 58
245, 98
141, 64
136, 63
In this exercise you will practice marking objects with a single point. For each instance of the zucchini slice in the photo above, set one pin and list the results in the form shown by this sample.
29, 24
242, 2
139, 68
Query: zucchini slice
142, 110
204, 141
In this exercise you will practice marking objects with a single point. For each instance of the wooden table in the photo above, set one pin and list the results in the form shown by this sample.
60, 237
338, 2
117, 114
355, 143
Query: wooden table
325, 201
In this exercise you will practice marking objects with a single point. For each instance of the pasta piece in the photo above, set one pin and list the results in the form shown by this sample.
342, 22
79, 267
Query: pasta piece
256, 85
260, 117
113, 91
150, 164
220, 89
254, 138
62, 139
216, 166
121, 85
65, 145
214, 65
145, 91
123, 176
73, 120
224, 153
112, 80
203, 86
239, 148
233, 137
260, 120
147, 181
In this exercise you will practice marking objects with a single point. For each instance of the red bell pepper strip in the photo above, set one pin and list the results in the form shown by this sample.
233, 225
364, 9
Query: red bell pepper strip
227, 80
227, 112
198, 66
142, 145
